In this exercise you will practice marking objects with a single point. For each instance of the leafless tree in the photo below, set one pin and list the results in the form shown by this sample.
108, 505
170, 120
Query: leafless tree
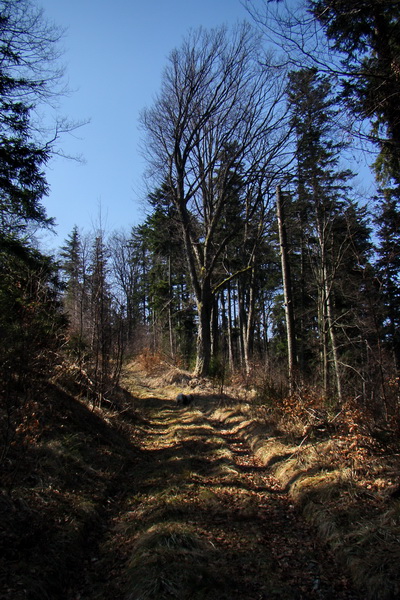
218, 118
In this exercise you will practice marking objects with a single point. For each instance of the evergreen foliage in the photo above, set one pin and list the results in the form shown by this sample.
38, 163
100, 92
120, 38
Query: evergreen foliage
330, 236
31, 321
368, 36
28, 75
388, 268
200, 279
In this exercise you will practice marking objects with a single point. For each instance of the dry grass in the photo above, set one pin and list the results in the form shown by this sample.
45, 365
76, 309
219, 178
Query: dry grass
170, 560
340, 480
340, 483
373, 553
345, 487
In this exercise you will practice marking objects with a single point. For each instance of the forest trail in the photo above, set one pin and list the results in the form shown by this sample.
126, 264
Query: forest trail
196, 516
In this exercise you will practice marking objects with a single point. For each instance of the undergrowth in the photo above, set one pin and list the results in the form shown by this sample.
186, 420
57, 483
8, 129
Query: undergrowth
337, 463
67, 458
64, 461
339, 474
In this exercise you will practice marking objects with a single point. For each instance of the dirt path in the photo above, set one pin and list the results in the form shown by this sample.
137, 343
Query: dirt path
197, 517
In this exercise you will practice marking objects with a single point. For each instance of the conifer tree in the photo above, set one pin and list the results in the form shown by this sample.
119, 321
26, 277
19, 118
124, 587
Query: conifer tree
170, 295
326, 226
388, 266
29, 75
75, 294
367, 35
100, 314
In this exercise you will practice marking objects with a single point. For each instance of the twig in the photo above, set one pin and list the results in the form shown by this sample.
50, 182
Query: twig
299, 446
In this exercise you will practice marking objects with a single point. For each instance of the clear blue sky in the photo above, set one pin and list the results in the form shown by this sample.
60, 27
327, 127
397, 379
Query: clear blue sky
114, 55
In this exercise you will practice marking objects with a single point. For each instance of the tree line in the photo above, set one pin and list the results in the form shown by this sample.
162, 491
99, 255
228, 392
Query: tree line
258, 251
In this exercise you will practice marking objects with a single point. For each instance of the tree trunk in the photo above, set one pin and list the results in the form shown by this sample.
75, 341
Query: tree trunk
215, 345
249, 322
170, 324
323, 335
203, 346
332, 336
229, 321
241, 322
287, 289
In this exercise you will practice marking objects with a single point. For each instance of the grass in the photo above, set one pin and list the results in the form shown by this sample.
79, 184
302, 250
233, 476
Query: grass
339, 492
170, 560
155, 491
338, 482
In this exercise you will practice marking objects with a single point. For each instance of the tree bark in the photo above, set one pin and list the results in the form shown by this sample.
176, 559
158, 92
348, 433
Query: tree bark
248, 324
203, 346
229, 326
287, 290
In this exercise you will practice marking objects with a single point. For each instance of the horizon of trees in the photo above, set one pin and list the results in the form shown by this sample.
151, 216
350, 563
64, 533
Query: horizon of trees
210, 278
258, 253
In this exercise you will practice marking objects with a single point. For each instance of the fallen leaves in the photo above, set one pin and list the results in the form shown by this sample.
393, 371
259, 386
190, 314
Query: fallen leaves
102, 478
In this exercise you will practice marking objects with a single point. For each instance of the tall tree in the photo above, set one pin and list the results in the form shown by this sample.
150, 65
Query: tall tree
357, 44
100, 314
168, 273
28, 76
73, 268
214, 96
388, 266
325, 234
367, 35
126, 255
287, 289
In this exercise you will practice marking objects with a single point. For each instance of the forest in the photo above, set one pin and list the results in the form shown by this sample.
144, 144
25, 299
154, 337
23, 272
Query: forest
259, 251
262, 265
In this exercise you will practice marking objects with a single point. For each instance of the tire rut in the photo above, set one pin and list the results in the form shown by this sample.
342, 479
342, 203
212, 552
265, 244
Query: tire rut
231, 530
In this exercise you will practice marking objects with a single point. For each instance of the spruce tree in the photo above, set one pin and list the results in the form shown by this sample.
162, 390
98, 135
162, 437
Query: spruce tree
71, 255
388, 266
367, 34
168, 285
323, 234
28, 76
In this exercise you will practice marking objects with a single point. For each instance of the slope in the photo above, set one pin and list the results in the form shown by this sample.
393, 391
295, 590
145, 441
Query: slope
147, 500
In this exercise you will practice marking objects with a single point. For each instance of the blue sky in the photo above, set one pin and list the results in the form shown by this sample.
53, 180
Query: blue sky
114, 56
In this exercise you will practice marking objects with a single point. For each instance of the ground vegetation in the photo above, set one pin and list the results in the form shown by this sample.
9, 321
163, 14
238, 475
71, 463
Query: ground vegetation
261, 285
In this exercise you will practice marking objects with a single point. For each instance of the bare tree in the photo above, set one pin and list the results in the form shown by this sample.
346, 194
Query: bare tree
125, 275
218, 115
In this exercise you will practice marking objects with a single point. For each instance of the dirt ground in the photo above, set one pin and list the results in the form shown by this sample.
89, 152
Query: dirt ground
197, 516
147, 500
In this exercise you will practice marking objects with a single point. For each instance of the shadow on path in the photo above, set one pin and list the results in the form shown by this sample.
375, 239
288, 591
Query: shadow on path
199, 518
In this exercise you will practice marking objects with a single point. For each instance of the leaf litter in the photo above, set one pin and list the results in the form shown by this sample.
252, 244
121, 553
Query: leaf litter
155, 501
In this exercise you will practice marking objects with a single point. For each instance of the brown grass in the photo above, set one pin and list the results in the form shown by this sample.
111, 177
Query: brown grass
341, 483
340, 479
58, 488
170, 560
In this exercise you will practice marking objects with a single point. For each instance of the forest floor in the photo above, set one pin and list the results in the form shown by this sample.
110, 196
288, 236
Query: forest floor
151, 501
